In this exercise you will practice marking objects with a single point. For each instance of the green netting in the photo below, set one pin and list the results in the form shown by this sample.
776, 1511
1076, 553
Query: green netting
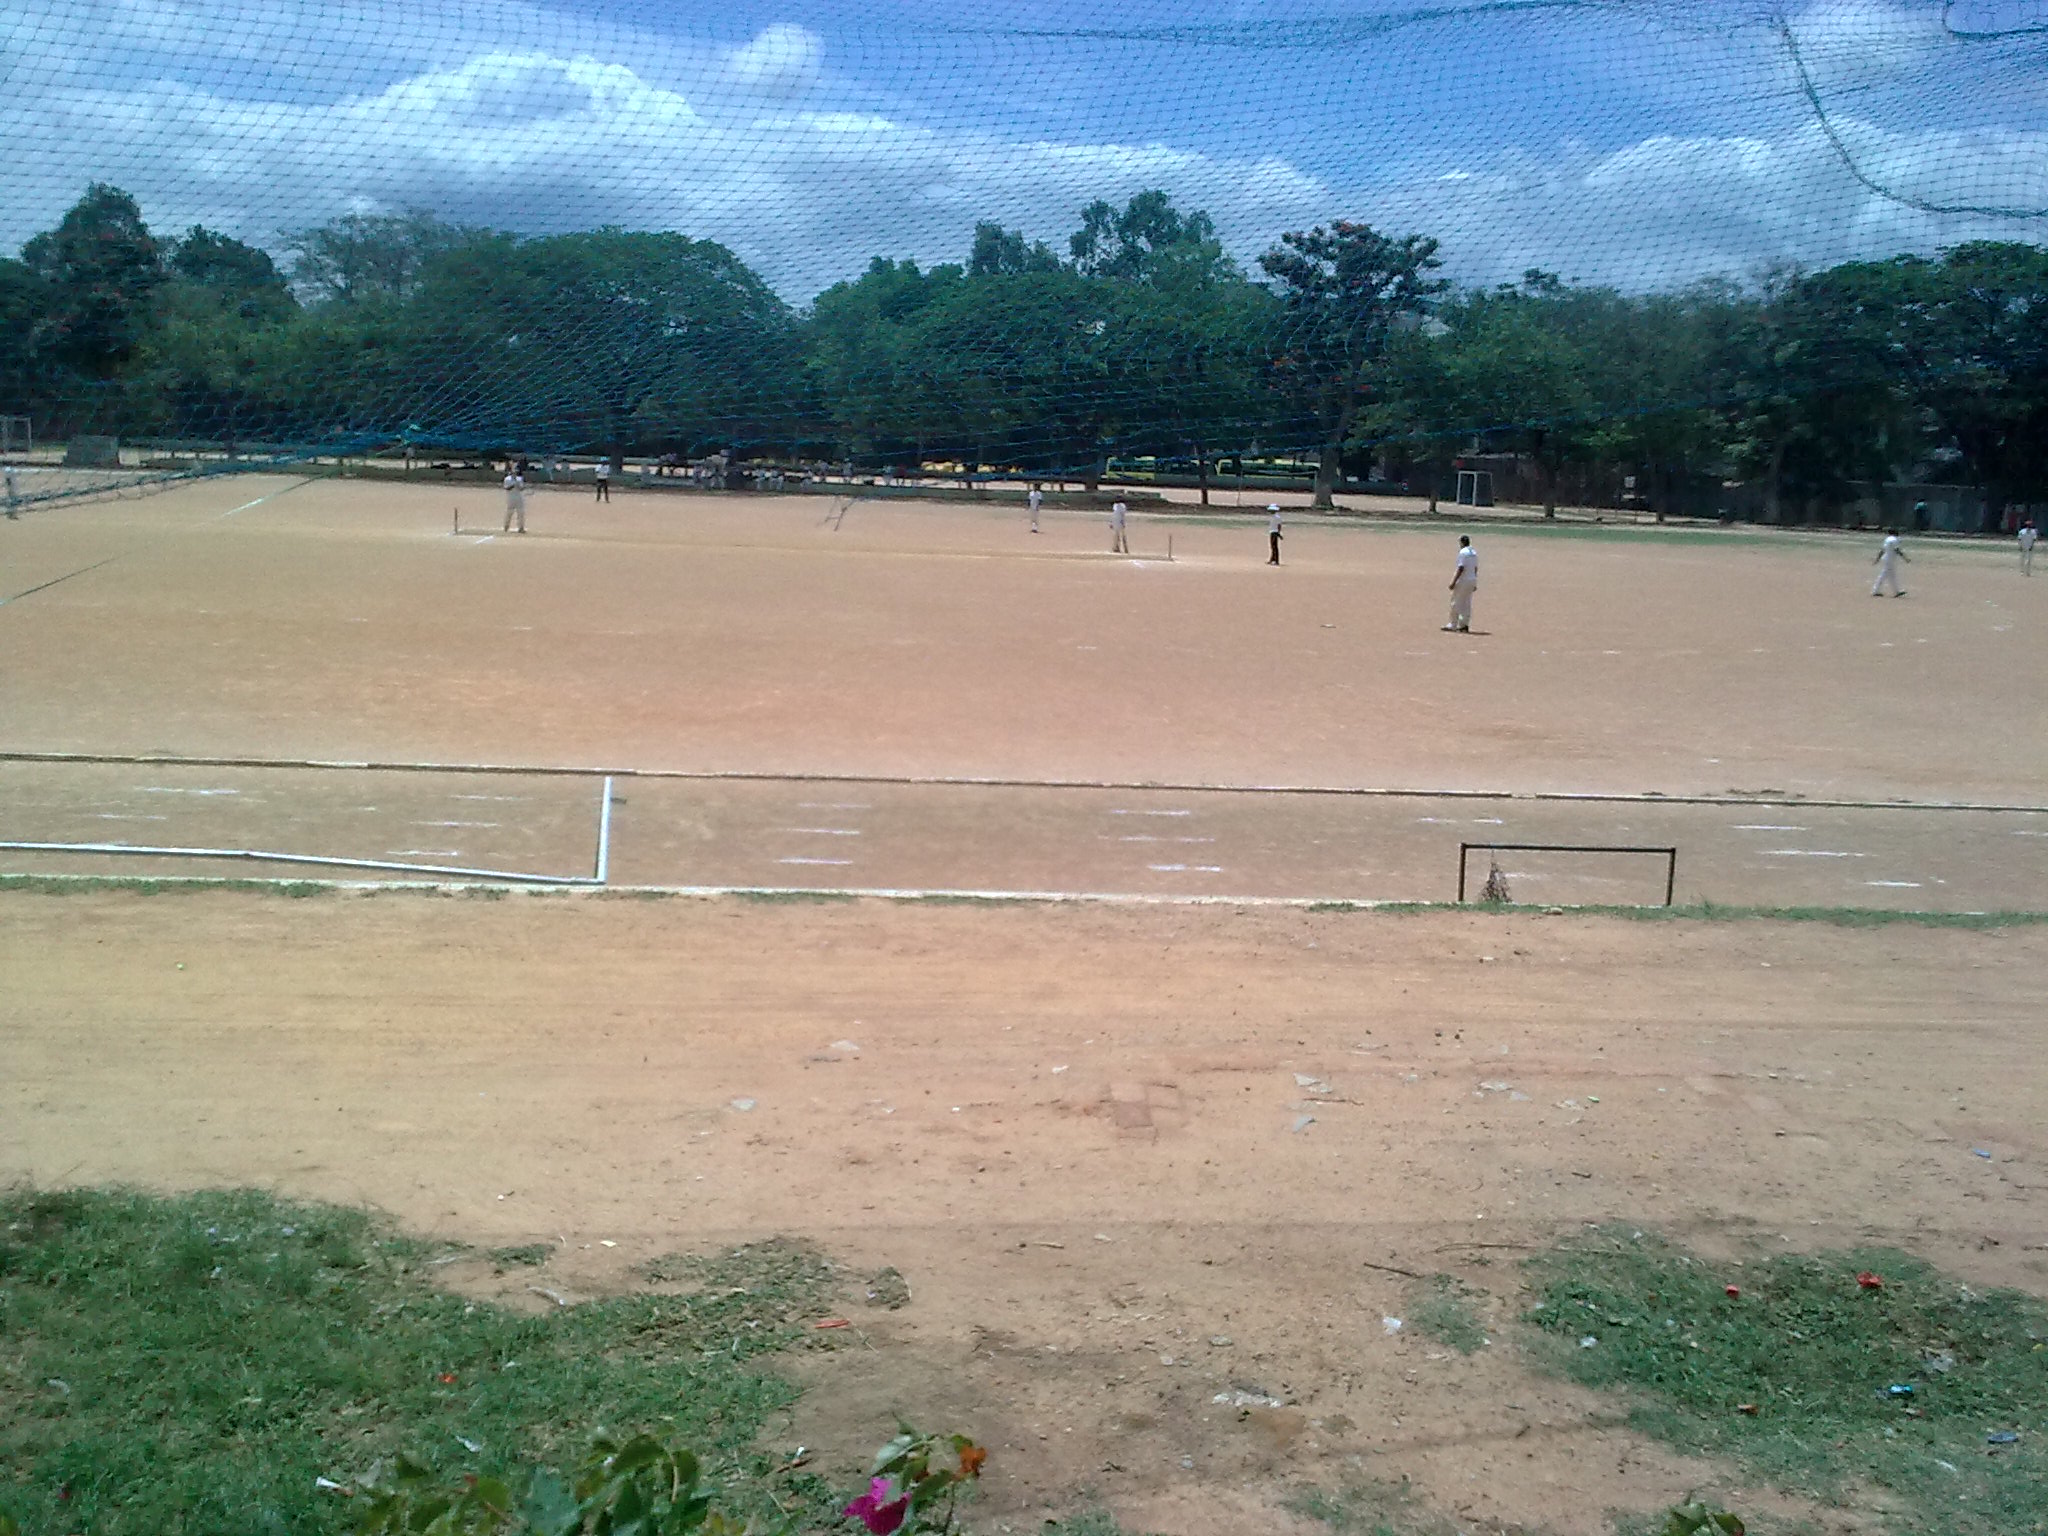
1701, 257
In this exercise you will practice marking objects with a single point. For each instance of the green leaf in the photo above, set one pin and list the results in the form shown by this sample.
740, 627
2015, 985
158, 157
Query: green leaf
549, 1508
889, 1454
637, 1454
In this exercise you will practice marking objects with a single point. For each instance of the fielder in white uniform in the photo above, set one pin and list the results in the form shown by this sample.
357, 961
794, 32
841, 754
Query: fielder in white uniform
1118, 544
1464, 582
1273, 533
1889, 554
2029, 536
1036, 498
14, 495
515, 501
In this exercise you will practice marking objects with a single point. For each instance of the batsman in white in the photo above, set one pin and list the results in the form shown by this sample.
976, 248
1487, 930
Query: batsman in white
515, 500
1889, 554
2029, 537
1118, 543
1464, 582
1037, 499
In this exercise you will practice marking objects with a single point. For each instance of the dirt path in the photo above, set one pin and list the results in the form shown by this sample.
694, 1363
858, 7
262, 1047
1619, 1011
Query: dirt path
1093, 1142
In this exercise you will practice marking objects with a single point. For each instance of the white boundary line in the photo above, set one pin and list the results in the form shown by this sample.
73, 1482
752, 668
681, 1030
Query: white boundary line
324, 861
265, 856
1128, 786
272, 495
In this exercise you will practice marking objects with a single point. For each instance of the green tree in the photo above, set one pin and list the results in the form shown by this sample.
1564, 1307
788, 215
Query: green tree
199, 374
1971, 333
1150, 241
363, 258
102, 268
1816, 398
614, 337
235, 277
1000, 252
1347, 291
25, 297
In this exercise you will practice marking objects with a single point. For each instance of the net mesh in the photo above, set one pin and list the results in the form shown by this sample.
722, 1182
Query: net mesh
1694, 258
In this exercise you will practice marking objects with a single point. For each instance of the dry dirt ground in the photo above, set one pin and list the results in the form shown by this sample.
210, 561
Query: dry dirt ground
1094, 1139
1127, 1160
341, 619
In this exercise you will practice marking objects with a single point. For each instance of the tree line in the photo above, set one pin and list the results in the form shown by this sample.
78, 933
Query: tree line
1343, 346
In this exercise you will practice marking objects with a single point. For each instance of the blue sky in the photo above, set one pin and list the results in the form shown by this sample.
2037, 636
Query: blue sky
1641, 142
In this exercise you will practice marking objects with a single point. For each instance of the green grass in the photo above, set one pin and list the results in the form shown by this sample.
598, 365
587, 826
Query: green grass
191, 1365
1370, 1508
1814, 1355
143, 885
525, 1255
794, 898
1442, 1309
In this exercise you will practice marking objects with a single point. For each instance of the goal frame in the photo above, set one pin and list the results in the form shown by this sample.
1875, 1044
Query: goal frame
1475, 487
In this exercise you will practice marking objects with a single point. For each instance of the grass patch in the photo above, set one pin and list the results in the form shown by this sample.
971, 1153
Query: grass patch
193, 1364
1791, 1379
1090, 1522
793, 898
525, 1255
1442, 1309
1370, 1508
146, 885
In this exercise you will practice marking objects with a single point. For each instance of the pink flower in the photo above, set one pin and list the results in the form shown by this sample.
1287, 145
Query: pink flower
877, 1511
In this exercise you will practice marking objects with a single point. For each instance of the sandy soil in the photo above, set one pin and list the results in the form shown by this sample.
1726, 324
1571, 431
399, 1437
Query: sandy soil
709, 834
1093, 1141
341, 619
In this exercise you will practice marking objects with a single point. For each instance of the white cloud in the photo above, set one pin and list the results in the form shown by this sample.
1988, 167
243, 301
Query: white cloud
782, 60
554, 124
1667, 210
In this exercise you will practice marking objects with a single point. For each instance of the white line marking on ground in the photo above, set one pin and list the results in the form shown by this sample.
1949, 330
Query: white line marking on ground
138, 816
1811, 853
814, 861
158, 789
448, 823
1764, 826
832, 805
423, 853
821, 831
1188, 869
507, 798
1151, 813
1897, 885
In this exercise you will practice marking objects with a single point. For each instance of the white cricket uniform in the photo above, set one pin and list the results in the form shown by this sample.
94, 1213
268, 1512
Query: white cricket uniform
515, 502
1463, 584
1888, 566
1035, 498
1118, 544
2028, 538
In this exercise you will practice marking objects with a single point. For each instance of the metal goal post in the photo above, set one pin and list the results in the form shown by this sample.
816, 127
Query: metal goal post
1668, 855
